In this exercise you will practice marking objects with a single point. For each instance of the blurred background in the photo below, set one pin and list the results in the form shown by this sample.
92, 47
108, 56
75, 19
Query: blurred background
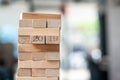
90, 44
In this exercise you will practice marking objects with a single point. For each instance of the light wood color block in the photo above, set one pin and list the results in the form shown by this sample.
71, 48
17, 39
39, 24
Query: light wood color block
38, 64
37, 78
38, 48
40, 31
38, 56
24, 56
24, 72
52, 40
37, 39
24, 78
52, 72
40, 16
45, 64
38, 72
25, 64
53, 23
45, 78
24, 39
39, 23
25, 23
53, 56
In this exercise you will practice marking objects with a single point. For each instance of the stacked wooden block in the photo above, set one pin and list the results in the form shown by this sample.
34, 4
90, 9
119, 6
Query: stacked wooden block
39, 38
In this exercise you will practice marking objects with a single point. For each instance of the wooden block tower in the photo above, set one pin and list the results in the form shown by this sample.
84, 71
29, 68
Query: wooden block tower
39, 47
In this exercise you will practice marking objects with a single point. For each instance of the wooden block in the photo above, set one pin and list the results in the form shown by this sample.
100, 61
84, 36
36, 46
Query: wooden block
45, 64
52, 72
40, 31
40, 16
38, 72
38, 48
24, 72
39, 23
24, 39
24, 78
37, 78
25, 56
25, 23
37, 56
52, 40
37, 39
25, 64
45, 78
53, 23
38, 64
53, 56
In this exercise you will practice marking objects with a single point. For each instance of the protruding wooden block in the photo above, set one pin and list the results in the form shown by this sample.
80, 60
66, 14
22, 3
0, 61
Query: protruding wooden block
25, 23
24, 72
39, 31
52, 72
52, 40
38, 64
24, 39
25, 56
25, 64
37, 39
53, 56
40, 16
37, 56
53, 23
38, 72
39, 23
45, 64
38, 48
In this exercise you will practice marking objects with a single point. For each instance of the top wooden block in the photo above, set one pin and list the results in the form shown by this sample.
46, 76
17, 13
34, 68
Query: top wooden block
40, 16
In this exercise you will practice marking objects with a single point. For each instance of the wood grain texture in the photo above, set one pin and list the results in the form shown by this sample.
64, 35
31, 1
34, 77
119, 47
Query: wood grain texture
24, 56
38, 72
37, 78
37, 39
38, 48
53, 23
38, 64
53, 56
38, 56
40, 31
45, 78
52, 39
24, 39
39, 23
45, 64
25, 23
52, 72
40, 16
25, 64
24, 72
24, 78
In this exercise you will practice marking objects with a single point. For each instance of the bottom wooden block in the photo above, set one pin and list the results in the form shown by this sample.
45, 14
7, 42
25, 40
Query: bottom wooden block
37, 78
24, 78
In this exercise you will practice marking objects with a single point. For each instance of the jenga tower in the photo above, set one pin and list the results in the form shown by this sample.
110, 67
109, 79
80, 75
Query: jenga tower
39, 47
